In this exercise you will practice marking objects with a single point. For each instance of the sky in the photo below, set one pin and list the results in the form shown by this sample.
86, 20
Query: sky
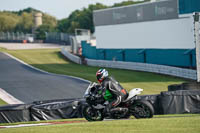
57, 8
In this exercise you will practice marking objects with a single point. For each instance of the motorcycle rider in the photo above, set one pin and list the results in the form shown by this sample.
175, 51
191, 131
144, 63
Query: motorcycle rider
112, 91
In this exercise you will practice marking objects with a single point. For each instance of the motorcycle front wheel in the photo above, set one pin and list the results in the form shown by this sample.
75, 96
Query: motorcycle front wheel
142, 109
92, 114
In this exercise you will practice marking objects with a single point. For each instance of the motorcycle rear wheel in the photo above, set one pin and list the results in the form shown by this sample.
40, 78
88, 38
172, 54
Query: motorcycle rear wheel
92, 114
142, 109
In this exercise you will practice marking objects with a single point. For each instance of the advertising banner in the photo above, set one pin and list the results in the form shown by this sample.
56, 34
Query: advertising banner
137, 13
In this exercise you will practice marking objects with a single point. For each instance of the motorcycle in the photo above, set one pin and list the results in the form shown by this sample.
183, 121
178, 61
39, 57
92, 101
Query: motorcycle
94, 110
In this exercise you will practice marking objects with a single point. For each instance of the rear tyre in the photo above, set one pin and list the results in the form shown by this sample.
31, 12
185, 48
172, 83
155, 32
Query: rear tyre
142, 109
91, 114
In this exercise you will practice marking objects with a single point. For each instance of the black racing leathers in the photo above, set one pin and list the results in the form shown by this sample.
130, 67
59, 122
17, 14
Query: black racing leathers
118, 92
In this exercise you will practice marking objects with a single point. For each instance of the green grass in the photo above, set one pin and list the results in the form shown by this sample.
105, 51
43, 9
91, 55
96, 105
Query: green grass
52, 61
159, 124
2, 49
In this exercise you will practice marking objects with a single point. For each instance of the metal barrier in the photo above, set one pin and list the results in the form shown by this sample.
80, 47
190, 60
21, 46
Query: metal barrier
70, 56
54, 37
15, 37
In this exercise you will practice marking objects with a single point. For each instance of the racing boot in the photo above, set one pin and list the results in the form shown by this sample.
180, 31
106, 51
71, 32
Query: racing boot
119, 110
107, 112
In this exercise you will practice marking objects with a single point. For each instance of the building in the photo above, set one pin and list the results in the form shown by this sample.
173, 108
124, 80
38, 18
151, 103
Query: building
160, 32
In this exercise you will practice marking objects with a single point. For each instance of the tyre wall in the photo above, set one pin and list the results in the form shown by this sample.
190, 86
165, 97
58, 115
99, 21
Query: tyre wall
173, 102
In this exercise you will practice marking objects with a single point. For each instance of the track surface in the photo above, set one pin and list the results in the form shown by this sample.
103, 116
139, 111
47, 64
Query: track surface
28, 84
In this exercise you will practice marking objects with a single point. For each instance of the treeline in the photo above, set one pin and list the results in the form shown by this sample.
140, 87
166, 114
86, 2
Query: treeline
22, 21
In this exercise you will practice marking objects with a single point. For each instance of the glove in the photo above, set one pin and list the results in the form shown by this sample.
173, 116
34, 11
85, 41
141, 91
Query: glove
92, 98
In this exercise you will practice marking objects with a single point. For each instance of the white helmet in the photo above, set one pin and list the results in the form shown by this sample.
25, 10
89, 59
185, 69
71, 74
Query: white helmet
101, 74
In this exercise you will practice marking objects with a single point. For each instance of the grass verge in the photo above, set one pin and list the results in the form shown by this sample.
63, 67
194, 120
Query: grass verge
159, 124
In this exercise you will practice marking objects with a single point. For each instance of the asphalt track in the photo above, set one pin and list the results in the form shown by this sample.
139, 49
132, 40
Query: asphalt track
28, 84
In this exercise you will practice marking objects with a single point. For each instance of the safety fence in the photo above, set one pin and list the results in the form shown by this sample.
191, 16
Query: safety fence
15, 37
60, 38
161, 69
51, 37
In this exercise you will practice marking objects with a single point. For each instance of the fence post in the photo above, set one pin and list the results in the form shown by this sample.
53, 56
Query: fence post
197, 42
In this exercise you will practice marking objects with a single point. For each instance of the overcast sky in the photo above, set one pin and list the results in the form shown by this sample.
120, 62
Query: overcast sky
57, 8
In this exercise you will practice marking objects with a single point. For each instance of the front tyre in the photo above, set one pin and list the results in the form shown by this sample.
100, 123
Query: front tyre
142, 109
92, 114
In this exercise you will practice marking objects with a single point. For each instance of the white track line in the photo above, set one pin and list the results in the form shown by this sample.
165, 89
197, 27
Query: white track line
9, 98
25, 125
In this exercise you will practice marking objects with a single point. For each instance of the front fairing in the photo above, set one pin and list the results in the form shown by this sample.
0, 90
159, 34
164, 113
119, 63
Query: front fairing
92, 94
87, 92
89, 89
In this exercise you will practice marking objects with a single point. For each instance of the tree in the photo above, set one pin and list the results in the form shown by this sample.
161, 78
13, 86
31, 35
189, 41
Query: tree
26, 23
74, 25
41, 30
8, 21
79, 19
129, 2
27, 10
49, 20
63, 25
23, 21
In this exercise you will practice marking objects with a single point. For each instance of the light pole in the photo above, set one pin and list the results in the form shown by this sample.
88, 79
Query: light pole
197, 42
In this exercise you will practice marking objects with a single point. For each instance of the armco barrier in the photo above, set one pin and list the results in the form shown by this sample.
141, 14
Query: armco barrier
161, 69
173, 71
70, 56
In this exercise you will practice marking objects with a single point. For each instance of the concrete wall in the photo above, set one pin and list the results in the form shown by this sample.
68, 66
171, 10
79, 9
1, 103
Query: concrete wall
161, 69
170, 57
